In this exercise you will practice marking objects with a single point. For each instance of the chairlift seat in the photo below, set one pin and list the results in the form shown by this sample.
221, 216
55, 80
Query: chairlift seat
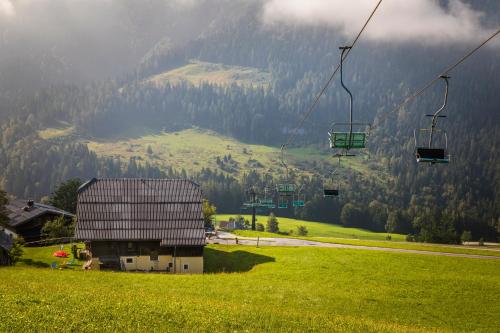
267, 201
286, 188
298, 203
431, 155
340, 140
283, 205
330, 192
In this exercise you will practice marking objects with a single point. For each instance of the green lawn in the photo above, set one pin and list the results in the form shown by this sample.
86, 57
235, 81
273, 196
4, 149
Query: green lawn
43, 256
263, 289
315, 229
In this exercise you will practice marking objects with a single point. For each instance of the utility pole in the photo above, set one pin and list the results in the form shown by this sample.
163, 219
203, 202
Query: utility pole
253, 194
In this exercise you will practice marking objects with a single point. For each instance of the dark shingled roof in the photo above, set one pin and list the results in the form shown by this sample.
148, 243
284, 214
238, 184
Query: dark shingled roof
5, 241
19, 213
166, 210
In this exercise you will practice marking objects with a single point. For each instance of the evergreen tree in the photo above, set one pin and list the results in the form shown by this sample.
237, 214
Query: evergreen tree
66, 194
272, 224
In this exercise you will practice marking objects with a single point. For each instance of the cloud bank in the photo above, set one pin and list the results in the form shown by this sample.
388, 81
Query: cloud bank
422, 21
6, 8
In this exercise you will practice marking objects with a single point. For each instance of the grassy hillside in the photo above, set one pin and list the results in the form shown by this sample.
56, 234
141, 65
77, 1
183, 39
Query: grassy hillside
264, 289
333, 233
194, 149
198, 72
318, 229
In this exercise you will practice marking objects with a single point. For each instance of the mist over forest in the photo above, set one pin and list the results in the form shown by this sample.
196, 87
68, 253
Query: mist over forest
99, 67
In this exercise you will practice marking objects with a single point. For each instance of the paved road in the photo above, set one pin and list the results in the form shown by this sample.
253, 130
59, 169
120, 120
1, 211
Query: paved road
230, 239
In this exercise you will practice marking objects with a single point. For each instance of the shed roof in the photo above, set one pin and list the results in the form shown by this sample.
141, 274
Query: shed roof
167, 210
19, 212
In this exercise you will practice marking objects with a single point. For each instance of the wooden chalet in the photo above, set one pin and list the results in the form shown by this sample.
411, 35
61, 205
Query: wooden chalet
142, 224
27, 217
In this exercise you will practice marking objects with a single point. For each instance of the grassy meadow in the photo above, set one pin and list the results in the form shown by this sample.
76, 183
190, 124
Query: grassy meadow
315, 229
198, 72
180, 149
247, 289
332, 233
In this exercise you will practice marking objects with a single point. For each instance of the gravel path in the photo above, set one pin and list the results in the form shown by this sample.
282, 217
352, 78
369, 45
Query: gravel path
230, 239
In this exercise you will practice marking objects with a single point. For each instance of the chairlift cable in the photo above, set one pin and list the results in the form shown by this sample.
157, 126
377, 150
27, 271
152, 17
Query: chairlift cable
437, 78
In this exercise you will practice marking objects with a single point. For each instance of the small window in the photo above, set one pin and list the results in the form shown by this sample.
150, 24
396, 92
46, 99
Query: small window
170, 265
153, 256
186, 267
130, 260
130, 247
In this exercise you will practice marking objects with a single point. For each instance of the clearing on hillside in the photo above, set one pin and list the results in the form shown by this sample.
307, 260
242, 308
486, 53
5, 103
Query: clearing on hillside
198, 72
194, 149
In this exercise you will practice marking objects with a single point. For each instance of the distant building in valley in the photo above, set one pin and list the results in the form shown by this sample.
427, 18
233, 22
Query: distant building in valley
231, 225
142, 224
27, 217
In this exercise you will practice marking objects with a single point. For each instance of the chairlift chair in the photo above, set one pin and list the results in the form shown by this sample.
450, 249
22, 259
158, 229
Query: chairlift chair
347, 136
432, 155
282, 203
286, 189
432, 152
351, 135
332, 191
267, 203
299, 199
299, 203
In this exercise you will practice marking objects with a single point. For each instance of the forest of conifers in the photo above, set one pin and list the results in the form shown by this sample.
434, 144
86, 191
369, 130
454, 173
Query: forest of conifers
436, 203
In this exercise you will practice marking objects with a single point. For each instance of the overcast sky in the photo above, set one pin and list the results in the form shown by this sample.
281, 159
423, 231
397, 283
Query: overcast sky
92, 39
422, 21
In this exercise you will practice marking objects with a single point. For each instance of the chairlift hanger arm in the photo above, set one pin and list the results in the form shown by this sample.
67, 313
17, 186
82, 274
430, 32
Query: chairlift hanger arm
436, 114
342, 57
282, 159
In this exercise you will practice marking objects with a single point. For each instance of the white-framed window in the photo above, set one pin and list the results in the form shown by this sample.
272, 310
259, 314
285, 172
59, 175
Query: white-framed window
130, 260
185, 267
